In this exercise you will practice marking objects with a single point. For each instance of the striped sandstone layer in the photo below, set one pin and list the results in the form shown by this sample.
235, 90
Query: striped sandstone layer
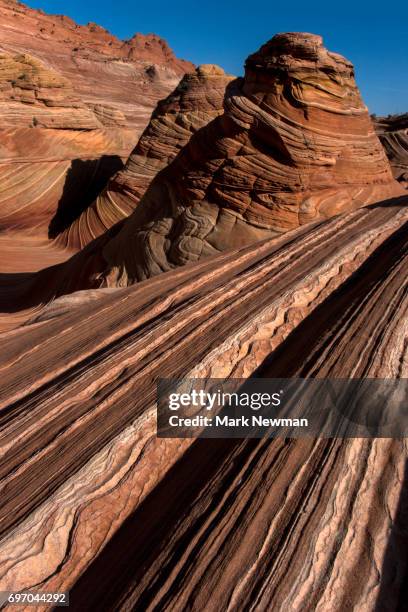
110, 75
45, 127
73, 101
295, 144
393, 133
94, 503
196, 101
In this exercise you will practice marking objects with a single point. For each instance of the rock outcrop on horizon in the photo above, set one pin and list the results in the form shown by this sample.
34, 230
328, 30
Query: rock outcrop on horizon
73, 102
393, 133
294, 144
108, 73
196, 101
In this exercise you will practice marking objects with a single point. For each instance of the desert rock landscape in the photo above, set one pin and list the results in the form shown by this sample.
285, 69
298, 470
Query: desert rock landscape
73, 102
165, 220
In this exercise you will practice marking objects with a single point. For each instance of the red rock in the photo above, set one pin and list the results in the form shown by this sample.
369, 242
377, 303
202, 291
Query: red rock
96, 62
33, 95
393, 133
295, 144
92, 501
196, 101
95, 504
72, 104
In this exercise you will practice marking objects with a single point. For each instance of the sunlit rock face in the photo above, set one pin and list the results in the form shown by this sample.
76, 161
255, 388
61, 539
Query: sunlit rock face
294, 144
88, 489
35, 95
73, 102
393, 133
196, 101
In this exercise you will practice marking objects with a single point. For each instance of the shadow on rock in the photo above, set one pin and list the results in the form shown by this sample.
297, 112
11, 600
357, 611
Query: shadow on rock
84, 182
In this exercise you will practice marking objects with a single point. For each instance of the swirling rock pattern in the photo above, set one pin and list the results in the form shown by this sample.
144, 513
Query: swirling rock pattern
393, 133
196, 101
73, 101
94, 503
294, 144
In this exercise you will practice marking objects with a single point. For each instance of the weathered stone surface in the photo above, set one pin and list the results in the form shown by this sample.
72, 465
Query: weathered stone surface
393, 133
73, 101
130, 75
196, 101
294, 144
33, 95
94, 503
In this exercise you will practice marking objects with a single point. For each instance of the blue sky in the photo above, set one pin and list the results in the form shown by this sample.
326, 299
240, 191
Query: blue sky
224, 32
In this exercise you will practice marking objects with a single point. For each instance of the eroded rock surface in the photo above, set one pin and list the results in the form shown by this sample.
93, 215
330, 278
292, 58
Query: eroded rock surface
128, 76
34, 95
88, 490
92, 501
73, 102
196, 101
393, 133
295, 143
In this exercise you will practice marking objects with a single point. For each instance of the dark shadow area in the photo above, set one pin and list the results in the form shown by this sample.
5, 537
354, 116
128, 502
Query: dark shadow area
21, 290
84, 182
393, 595
396, 201
16, 291
123, 562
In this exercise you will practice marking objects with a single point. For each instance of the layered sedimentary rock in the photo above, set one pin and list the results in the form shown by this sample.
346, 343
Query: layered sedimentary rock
295, 143
73, 101
393, 133
124, 76
46, 132
31, 95
94, 503
196, 101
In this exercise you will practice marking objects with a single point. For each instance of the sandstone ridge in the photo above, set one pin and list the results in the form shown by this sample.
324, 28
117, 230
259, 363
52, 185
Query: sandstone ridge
79, 425
294, 144
196, 101
73, 102
393, 133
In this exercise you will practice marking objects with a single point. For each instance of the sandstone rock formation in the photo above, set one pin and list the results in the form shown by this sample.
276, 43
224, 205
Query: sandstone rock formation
126, 76
94, 503
73, 101
393, 133
295, 144
46, 131
196, 101
33, 95
276, 169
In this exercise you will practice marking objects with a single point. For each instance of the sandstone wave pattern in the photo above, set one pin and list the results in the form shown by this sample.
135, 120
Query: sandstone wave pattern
294, 144
197, 100
393, 133
114, 77
94, 503
73, 102
252, 227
